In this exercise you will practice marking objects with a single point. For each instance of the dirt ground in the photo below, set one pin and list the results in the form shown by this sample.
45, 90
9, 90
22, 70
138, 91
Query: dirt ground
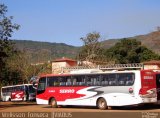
33, 107
32, 110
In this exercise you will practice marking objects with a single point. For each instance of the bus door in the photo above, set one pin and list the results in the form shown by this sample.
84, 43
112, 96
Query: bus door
148, 84
158, 86
41, 90
31, 93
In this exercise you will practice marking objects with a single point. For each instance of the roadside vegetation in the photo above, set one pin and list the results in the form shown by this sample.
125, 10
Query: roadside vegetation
15, 66
123, 52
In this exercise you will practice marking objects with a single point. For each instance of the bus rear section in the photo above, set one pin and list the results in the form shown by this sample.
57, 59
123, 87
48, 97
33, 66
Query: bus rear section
5, 94
148, 91
157, 74
24, 92
18, 96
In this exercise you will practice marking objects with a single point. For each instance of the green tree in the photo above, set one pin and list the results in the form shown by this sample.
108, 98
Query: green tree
91, 50
18, 67
130, 51
6, 46
21, 70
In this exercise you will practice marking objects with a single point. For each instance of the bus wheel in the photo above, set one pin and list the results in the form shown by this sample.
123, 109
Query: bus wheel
23, 99
53, 103
9, 99
101, 104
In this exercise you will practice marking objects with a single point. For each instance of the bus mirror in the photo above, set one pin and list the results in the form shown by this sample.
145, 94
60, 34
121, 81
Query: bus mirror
33, 80
34, 85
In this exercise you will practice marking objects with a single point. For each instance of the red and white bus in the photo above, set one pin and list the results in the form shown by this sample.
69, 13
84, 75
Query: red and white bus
101, 89
157, 76
23, 92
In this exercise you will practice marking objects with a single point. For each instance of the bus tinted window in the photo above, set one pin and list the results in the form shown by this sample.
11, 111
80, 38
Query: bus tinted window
42, 84
93, 80
112, 80
116, 79
3, 90
59, 81
108, 80
19, 88
125, 79
52, 81
62, 81
104, 80
68, 81
79, 80
119, 79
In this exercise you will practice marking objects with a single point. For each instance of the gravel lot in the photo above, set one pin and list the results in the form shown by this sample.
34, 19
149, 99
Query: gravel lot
80, 111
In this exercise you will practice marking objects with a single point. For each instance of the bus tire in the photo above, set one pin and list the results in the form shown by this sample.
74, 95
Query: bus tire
53, 103
102, 104
9, 99
23, 99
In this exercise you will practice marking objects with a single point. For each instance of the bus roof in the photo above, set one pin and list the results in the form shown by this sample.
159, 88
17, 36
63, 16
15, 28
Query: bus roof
49, 75
15, 85
88, 72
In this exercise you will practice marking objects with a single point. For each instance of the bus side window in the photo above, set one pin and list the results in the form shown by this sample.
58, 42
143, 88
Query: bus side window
89, 81
112, 79
74, 81
56, 82
104, 80
62, 81
22, 88
78, 80
93, 80
50, 81
130, 79
53, 81
19, 88
98, 80
129, 82
121, 79
4, 91
69, 81
12, 89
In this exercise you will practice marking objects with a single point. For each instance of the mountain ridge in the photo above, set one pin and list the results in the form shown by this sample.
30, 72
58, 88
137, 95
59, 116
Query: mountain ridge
40, 51
45, 51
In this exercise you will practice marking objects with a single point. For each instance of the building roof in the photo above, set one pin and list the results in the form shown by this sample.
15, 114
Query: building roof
64, 59
152, 62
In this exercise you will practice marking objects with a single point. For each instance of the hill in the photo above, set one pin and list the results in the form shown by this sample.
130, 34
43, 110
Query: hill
151, 41
44, 51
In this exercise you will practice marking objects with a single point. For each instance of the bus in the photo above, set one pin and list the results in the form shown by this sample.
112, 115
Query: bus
102, 89
157, 76
23, 92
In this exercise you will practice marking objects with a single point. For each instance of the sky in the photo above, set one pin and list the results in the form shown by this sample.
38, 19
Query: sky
66, 21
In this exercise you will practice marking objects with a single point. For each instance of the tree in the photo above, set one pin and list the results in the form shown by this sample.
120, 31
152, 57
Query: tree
18, 67
130, 51
6, 30
91, 50
21, 70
